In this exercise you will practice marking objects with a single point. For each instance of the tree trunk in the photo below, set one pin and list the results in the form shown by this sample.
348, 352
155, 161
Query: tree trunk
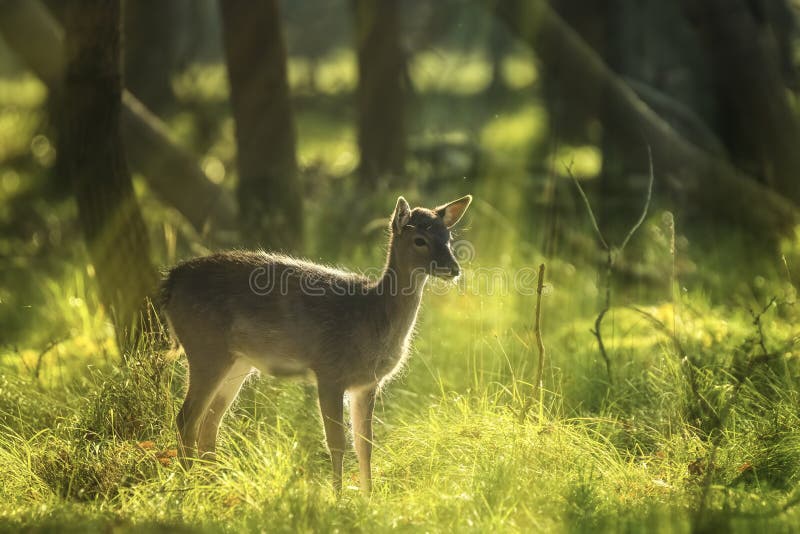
91, 157
150, 50
498, 46
651, 46
755, 120
710, 184
170, 170
381, 92
269, 194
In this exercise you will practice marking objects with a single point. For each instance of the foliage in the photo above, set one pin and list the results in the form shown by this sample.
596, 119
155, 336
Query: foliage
87, 444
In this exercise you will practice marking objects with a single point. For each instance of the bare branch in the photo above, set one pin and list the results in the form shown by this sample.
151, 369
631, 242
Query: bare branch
537, 332
636, 226
589, 209
598, 323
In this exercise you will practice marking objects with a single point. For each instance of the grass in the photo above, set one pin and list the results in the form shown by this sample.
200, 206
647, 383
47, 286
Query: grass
691, 436
89, 446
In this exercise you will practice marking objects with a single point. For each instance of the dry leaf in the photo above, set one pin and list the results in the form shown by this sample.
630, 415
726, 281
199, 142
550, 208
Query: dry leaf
747, 466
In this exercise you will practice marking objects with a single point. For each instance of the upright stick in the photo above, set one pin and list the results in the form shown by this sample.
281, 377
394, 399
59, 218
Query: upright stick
537, 332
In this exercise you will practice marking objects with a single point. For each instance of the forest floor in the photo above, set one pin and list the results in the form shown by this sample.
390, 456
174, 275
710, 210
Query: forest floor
696, 429
87, 444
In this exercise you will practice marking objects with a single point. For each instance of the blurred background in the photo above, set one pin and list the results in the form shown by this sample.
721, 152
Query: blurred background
294, 126
135, 135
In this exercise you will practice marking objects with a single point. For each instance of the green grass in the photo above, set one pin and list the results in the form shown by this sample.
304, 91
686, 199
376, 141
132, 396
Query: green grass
453, 453
86, 444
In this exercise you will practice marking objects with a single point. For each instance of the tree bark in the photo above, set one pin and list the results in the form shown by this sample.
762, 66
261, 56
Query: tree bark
690, 172
269, 194
150, 52
92, 159
170, 170
755, 119
381, 92
649, 44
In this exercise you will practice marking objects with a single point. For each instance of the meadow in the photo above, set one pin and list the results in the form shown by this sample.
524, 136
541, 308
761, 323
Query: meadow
696, 429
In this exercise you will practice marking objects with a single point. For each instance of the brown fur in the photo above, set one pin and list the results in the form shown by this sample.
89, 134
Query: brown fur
353, 333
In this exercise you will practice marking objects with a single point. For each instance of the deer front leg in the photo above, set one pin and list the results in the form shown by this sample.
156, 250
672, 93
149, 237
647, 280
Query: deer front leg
361, 408
331, 404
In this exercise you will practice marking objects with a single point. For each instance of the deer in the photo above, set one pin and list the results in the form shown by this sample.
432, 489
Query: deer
239, 312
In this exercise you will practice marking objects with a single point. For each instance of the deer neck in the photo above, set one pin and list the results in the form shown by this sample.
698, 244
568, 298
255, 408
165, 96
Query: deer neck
401, 287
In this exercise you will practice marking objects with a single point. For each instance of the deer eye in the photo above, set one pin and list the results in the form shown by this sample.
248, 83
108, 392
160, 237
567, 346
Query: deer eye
419, 242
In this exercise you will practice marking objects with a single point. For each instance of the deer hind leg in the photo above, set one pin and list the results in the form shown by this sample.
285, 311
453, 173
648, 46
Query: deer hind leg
226, 393
362, 404
208, 367
331, 403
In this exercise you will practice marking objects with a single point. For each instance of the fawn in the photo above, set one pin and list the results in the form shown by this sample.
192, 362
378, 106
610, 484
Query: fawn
236, 311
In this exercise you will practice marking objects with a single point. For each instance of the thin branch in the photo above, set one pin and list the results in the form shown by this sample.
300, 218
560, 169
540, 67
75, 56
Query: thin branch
537, 332
589, 209
597, 332
646, 202
599, 336
610, 257
50, 346
760, 327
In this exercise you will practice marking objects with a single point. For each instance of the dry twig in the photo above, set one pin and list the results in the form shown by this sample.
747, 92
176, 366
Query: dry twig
537, 333
611, 254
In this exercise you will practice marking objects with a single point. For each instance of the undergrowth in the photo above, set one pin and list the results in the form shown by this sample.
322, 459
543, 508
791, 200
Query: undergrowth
451, 451
698, 430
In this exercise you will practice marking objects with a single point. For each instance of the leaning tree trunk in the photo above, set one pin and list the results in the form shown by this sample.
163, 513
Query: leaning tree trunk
170, 170
269, 195
713, 71
92, 159
381, 92
682, 167
755, 121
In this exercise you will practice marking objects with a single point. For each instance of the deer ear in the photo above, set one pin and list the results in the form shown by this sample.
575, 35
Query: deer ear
402, 214
452, 212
